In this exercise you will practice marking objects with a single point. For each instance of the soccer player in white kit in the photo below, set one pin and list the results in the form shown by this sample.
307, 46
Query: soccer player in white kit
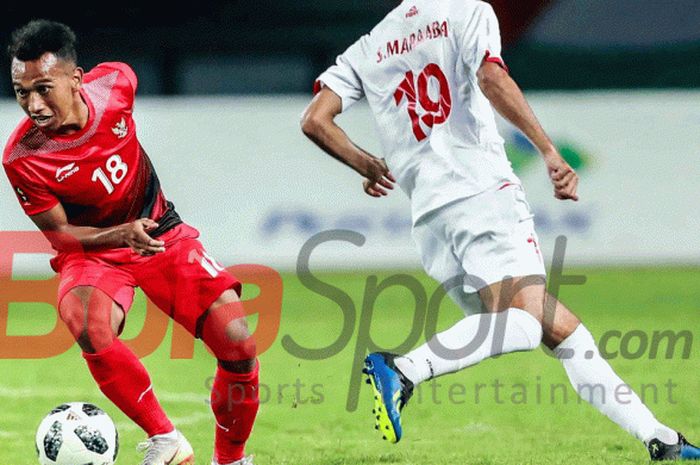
431, 72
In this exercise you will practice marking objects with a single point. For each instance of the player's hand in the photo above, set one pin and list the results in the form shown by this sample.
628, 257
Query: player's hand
375, 189
563, 177
379, 178
136, 236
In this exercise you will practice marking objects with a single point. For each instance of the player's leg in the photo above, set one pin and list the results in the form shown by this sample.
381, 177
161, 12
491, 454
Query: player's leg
565, 334
94, 319
513, 328
449, 242
93, 298
511, 323
235, 396
576, 349
490, 236
203, 297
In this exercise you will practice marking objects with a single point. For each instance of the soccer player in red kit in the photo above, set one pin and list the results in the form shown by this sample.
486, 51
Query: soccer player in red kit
81, 175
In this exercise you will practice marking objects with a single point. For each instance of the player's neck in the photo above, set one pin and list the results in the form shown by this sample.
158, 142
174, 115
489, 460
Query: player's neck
77, 119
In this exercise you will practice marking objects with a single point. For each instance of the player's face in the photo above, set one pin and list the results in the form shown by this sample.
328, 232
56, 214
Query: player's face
47, 89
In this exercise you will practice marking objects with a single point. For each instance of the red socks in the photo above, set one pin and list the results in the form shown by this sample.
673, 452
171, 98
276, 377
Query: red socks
234, 398
125, 381
234, 401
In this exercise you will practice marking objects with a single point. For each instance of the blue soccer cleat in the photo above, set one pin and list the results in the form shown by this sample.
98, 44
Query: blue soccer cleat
391, 391
682, 450
688, 451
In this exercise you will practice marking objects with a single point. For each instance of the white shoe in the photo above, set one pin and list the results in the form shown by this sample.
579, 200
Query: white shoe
166, 450
244, 461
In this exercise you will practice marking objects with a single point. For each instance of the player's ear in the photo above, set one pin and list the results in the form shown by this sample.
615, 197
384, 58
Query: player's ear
77, 77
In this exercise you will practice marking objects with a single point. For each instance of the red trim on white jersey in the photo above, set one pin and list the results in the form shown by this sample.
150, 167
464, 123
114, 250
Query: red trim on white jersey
494, 59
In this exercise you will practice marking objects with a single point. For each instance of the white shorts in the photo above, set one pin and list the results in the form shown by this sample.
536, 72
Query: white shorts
480, 240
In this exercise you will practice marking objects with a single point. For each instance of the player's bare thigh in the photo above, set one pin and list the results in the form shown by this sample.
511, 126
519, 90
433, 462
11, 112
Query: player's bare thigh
528, 293
92, 317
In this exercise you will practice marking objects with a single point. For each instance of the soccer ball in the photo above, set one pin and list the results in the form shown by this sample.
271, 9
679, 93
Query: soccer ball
77, 433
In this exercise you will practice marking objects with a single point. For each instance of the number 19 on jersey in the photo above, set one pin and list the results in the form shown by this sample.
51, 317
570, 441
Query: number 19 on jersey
417, 93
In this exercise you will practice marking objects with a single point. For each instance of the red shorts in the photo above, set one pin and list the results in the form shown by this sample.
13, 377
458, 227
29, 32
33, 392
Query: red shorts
183, 281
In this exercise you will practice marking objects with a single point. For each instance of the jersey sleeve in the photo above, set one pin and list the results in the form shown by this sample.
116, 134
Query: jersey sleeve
342, 79
127, 79
33, 197
481, 38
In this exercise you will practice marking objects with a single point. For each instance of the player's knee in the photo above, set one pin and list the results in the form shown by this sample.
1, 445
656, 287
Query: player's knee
225, 331
100, 335
73, 313
240, 335
230, 342
237, 330
237, 344
88, 316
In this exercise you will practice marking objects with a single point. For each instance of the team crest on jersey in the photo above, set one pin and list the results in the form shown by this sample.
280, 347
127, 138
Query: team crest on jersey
120, 129
67, 171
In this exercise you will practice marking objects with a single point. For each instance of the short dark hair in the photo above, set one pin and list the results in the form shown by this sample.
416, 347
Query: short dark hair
40, 36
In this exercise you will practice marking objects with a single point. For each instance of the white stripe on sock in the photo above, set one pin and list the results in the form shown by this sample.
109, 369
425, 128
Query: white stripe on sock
144, 393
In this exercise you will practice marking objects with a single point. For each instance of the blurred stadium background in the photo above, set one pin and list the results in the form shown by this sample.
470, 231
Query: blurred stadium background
222, 86
280, 46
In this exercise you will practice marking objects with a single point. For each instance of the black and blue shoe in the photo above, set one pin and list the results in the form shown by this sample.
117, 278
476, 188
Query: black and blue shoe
391, 391
682, 450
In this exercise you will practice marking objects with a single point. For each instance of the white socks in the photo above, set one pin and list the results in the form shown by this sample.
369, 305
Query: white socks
478, 337
471, 340
596, 382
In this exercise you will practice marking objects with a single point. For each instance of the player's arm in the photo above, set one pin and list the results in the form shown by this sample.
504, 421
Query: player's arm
318, 124
507, 98
64, 236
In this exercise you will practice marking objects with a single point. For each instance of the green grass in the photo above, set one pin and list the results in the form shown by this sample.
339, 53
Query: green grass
316, 428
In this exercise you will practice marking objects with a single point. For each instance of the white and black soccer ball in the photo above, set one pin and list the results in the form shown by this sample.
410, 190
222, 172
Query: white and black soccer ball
77, 433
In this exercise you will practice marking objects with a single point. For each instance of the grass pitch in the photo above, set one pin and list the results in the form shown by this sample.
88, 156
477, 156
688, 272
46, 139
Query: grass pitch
515, 409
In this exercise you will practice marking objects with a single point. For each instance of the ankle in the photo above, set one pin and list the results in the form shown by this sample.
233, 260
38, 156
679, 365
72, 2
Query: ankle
171, 435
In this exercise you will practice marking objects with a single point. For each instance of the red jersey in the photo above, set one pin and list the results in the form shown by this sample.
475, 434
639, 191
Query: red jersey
100, 174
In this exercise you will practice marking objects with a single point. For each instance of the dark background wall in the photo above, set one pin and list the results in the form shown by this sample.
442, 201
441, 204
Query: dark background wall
578, 44
277, 46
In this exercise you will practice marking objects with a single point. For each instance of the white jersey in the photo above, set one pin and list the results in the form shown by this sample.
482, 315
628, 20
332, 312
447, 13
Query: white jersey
417, 69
